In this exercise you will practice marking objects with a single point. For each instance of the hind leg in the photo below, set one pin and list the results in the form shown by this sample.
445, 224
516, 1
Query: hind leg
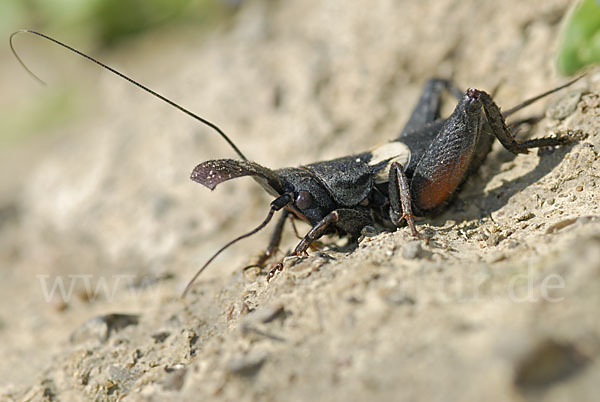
499, 129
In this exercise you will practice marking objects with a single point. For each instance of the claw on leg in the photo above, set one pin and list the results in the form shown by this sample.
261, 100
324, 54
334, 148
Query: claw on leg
401, 204
301, 249
314, 233
278, 268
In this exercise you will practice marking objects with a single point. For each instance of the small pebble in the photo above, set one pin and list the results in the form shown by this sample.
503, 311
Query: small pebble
496, 257
412, 250
160, 336
246, 365
100, 328
493, 240
548, 363
525, 217
266, 314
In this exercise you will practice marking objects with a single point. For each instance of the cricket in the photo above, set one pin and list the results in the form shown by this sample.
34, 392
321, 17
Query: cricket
415, 175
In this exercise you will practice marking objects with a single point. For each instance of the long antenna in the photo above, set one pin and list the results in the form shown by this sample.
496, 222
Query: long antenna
276, 205
207, 263
536, 98
132, 81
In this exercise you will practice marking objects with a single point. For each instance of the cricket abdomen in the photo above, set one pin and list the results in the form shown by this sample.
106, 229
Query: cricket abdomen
435, 190
445, 164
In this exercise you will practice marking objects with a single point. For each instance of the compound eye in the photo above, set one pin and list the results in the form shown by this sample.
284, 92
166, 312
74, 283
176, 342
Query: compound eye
304, 200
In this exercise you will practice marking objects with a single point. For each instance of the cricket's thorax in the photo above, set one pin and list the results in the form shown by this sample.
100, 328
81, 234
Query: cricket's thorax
348, 179
384, 155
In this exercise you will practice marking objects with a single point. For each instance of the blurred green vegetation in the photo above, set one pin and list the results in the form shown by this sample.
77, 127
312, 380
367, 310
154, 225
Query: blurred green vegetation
580, 38
52, 108
109, 21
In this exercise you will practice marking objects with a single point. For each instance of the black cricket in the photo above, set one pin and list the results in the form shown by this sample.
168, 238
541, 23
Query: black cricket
417, 174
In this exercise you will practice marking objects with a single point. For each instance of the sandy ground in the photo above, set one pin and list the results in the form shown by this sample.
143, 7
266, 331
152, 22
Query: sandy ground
500, 305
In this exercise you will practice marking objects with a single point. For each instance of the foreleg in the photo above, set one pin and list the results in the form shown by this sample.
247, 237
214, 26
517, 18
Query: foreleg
275, 239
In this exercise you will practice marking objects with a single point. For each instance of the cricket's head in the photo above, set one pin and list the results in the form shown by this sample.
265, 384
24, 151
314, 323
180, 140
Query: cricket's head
307, 198
296, 190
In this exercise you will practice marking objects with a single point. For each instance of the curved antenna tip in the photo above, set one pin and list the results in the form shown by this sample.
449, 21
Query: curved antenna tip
21, 62
126, 78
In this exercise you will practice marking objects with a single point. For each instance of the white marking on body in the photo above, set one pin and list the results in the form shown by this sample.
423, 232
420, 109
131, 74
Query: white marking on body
391, 152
